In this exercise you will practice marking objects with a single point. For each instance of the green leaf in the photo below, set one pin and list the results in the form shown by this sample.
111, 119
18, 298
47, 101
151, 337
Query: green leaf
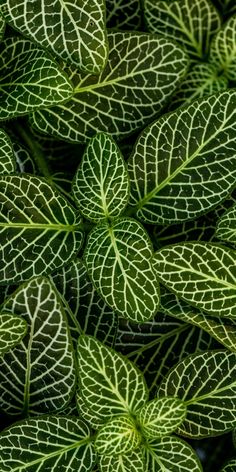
137, 63
223, 50
7, 158
171, 454
101, 183
48, 443
227, 7
161, 417
118, 259
24, 162
39, 230
75, 31
131, 462
124, 14
230, 466
30, 79
38, 375
203, 274
190, 22
226, 226
86, 414
12, 330
190, 163
118, 436
109, 383
206, 382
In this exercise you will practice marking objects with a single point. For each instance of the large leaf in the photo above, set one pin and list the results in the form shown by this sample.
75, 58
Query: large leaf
207, 384
171, 454
223, 50
118, 436
203, 274
73, 31
118, 259
12, 330
30, 79
38, 375
190, 161
39, 230
109, 383
101, 184
190, 22
48, 443
226, 227
124, 14
132, 462
230, 466
141, 74
7, 158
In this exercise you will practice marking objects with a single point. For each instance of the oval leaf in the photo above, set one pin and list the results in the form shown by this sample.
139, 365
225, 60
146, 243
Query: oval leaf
12, 330
131, 462
223, 50
118, 436
226, 227
7, 157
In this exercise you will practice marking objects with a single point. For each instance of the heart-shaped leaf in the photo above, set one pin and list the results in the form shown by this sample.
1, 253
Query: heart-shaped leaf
131, 462
223, 50
226, 227
117, 437
12, 330
7, 157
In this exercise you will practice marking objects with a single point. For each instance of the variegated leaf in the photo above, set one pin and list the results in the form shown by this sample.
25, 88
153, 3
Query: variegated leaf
124, 14
171, 454
223, 50
12, 330
7, 158
226, 226
230, 466
118, 436
131, 462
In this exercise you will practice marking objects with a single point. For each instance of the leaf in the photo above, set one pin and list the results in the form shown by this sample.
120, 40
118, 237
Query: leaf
75, 31
131, 462
161, 417
171, 454
118, 259
190, 22
124, 14
230, 466
206, 383
226, 226
101, 183
7, 158
118, 436
38, 376
109, 383
39, 230
223, 50
30, 80
137, 63
48, 443
85, 413
190, 163
12, 330
203, 274
24, 162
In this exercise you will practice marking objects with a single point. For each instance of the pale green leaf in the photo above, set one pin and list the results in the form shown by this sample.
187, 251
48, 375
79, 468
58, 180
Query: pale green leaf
142, 72
109, 383
203, 274
230, 466
206, 382
101, 183
118, 259
131, 462
7, 158
190, 22
223, 50
85, 413
171, 454
226, 226
48, 443
12, 330
30, 79
40, 232
118, 436
38, 375
161, 417
190, 161
73, 31
124, 14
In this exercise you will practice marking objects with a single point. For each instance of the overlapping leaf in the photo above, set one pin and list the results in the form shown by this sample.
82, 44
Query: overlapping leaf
86, 414
118, 436
48, 443
101, 183
38, 375
39, 230
75, 31
206, 382
118, 259
223, 50
230, 466
12, 330
203, 274
24, 162
124, 14
7, 158
141, 74
226, 227
190, 161
133, 462
30, 79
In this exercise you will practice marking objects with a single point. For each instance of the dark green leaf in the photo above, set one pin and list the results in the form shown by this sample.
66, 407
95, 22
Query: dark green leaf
171, 454
12, 330
7, 158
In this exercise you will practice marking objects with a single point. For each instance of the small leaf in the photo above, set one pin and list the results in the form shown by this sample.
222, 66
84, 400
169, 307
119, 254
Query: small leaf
124, 14
230, 466
110, 384
226, 227
161, 417
48, 443
101, 184
118, 259
223, 50
203, 274
131, 462
12, 330
118, 436
30, 79
7, 158
206, 382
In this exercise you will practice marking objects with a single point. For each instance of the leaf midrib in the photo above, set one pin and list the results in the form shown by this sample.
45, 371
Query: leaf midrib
51, 227
211, 394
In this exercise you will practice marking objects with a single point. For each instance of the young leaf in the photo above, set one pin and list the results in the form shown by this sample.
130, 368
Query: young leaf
85, 413
124, 14
206, 382
203, 274
101, 184
109, 383
118, 259
38, 375
190, 22
73, 31
30, 79
143, 69
12, 330
39, 230
7, 158
48, 443
226, 227
161, 417
118, 436
190, 161
223, 49
131, 462
230, 467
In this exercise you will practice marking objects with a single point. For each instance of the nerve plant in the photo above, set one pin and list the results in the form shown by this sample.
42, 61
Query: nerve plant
101, 253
